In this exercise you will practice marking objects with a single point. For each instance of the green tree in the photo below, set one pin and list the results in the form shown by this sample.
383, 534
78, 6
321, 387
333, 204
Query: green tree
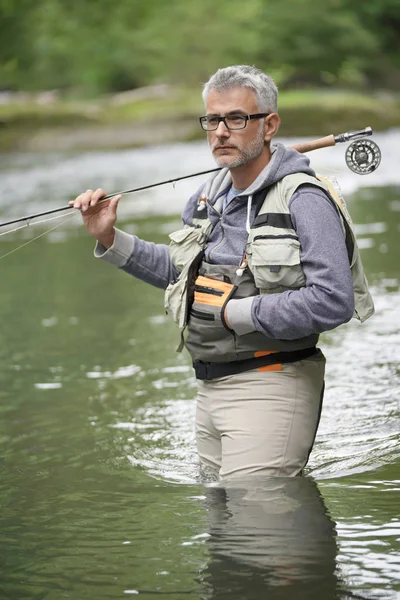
92, 46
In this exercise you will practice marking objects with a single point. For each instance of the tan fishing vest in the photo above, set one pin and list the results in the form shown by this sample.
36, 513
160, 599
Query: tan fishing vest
273, 254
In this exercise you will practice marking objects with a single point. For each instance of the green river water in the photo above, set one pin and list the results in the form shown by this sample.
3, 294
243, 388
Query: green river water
100, 493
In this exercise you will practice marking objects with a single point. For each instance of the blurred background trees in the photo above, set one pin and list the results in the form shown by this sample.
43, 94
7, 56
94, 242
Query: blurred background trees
87, 47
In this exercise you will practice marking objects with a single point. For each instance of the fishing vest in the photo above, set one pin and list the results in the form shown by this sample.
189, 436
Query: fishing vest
197, 299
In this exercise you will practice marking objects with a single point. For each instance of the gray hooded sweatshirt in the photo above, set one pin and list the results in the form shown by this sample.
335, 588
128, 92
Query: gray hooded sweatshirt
325, 302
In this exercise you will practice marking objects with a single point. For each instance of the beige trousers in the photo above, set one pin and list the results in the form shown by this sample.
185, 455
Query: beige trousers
260, 422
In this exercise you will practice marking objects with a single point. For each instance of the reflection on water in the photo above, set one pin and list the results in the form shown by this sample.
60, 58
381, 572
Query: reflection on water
368, 530
100, 489
270, 538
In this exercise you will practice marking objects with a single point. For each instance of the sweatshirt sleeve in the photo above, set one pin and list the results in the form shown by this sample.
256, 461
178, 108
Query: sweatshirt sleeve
145, 260
327, 300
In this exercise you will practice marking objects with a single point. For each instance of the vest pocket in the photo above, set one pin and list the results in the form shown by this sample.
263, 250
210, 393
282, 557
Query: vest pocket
203, 316
275, 263
185, 243
175, 301
179, 294
210, 299
209, 339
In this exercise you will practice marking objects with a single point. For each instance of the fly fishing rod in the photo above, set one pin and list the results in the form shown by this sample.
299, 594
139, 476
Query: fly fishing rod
362, 157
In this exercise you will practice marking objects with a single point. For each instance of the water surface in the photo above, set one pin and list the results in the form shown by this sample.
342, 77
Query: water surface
100, 491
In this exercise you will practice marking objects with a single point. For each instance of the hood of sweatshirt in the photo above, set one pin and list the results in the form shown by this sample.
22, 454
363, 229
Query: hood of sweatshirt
284, 161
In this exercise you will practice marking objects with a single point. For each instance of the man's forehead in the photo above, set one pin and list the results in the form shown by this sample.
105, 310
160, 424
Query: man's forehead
236, 97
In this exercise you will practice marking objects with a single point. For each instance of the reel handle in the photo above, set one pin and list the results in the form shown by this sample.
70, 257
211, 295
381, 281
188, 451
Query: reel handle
324, 142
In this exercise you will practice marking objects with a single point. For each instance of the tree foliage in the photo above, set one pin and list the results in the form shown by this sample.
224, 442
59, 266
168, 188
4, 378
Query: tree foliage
92, 46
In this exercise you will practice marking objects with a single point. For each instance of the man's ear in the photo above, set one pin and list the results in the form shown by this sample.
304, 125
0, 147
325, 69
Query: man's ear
271, 126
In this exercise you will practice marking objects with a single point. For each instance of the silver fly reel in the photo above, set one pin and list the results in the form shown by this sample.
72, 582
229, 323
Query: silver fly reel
363, 157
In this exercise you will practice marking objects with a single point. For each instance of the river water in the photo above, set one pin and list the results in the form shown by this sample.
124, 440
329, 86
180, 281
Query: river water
100, 492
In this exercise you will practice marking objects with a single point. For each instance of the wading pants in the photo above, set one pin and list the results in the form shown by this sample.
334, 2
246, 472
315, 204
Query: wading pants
261, 422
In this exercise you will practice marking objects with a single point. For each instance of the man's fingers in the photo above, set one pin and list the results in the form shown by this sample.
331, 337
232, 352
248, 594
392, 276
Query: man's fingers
80, 200
87, 199
114, 204
96, 196
90, 199
114, 201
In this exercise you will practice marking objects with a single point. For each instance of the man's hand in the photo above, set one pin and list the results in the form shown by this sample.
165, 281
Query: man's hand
98, 217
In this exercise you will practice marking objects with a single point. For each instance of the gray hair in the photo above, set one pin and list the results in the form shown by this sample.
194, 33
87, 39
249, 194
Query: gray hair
245, 76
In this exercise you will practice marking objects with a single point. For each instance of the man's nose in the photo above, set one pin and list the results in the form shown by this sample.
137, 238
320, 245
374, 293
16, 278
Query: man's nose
222, 130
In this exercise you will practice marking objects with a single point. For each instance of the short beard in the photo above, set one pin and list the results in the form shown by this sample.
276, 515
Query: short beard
246, 155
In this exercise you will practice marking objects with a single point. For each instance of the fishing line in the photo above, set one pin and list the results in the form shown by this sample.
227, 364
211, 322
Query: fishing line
65, 217
328, 170
28, 224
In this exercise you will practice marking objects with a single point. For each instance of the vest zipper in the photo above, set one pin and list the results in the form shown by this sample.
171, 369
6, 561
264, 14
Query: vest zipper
222, 236
275, 237
208, 290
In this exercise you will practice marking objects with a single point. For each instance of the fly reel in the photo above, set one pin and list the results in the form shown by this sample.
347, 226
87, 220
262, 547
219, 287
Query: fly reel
363, 156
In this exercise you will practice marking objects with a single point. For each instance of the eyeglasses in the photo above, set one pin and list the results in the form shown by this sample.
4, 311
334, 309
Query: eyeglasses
230, 121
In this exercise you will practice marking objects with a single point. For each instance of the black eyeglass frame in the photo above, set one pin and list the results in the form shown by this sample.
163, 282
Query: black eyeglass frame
204, 120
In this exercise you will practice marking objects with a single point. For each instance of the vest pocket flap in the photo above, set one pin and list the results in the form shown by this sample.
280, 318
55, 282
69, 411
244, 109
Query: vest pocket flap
275, 264
282, 252
179, 236
185, 244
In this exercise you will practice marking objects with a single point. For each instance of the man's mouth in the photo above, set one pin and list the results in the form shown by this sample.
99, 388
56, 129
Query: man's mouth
224, 148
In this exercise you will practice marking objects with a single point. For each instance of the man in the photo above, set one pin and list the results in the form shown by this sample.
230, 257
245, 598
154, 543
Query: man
259, 269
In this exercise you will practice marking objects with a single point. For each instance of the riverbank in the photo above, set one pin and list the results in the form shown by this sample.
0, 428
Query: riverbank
162, 114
